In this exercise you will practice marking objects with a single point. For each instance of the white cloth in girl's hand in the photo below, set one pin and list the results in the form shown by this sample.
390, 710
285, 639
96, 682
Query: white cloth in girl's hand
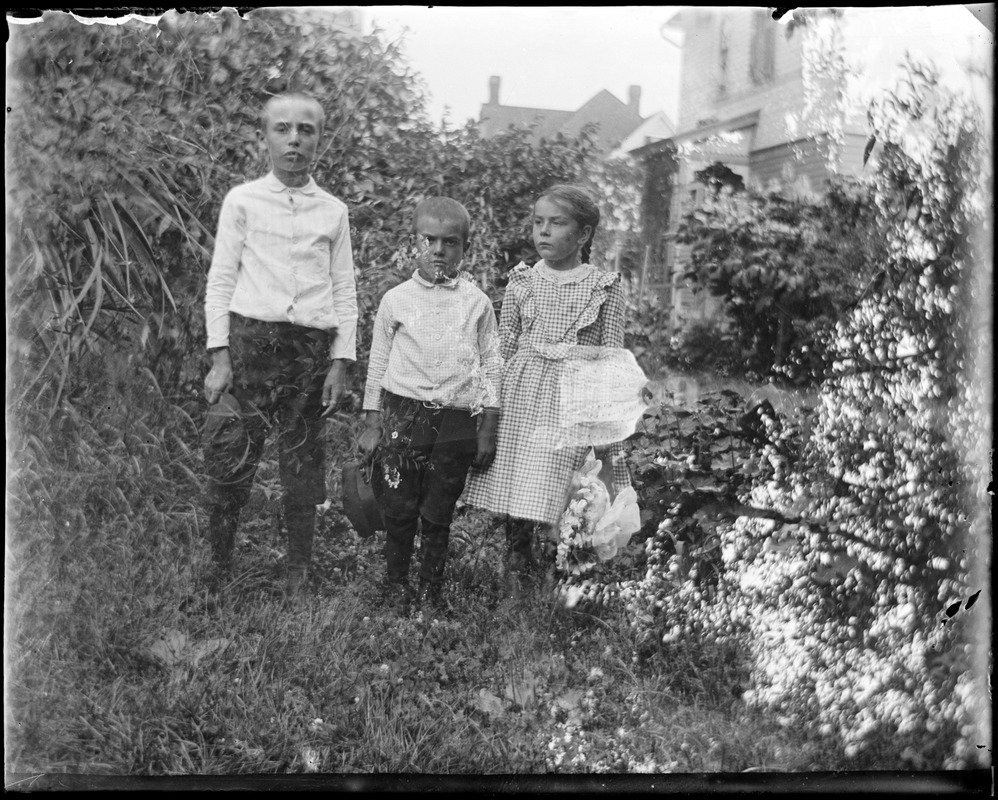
602, 395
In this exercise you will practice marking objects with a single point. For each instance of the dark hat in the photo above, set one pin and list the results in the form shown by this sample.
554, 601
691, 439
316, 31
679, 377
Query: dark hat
359, 503
227, 408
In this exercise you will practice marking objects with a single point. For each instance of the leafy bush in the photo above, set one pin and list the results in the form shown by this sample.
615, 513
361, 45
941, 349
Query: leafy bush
707, 345
646, 333
699, 346
786, 266
145, 128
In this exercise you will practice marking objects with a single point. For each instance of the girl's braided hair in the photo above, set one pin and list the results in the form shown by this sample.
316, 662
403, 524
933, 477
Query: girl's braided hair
582, 207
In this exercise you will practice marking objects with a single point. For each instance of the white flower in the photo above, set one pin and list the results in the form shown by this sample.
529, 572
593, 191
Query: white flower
571, 595
392, 477
311, 760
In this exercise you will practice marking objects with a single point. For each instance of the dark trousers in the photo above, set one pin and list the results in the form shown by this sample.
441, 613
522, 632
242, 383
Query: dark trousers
421, 466
278, 374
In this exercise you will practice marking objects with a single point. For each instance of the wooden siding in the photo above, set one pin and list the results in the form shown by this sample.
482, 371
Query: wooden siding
790, 163
807, 160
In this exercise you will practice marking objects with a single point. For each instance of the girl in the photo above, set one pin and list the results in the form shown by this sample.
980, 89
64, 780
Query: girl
559, 302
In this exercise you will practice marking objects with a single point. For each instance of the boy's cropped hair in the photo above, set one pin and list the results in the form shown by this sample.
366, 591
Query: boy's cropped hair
304, 96
443, 208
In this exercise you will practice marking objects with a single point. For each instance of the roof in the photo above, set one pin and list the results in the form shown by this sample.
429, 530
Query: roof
654, 129
736, 123
496, 118
614, 118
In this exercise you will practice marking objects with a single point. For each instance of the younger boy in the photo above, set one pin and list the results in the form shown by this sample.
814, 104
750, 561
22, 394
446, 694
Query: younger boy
434, 367
281, 316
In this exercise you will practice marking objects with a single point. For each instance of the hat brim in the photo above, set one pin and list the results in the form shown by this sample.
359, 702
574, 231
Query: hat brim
219, 413
359, 502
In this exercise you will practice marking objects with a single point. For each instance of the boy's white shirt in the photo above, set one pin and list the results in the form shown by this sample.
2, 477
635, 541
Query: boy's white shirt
438, 343
283, 255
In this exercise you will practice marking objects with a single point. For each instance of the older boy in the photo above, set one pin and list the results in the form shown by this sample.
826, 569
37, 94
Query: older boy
434, 367
281, 316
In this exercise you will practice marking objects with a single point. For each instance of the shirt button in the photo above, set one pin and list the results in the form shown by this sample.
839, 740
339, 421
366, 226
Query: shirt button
438, 362
440, 336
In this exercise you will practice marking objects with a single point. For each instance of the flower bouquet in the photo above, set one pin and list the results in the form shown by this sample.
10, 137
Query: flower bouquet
593, 529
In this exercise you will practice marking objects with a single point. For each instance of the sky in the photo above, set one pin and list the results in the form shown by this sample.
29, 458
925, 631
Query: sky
546, 57
559, 57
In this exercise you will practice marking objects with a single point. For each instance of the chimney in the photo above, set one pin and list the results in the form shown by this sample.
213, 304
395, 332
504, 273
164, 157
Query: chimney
634, 99
494, 90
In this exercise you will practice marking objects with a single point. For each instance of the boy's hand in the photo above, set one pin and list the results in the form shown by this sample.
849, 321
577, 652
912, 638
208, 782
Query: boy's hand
368, 442
371, 436
219, 378
333, 387
487, 432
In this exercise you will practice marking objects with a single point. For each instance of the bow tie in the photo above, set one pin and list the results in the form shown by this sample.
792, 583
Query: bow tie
449, 283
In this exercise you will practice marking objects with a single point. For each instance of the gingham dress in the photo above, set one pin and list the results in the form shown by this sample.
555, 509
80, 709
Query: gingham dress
529, 478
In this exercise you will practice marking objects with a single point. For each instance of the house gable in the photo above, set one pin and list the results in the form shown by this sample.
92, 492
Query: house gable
614, 119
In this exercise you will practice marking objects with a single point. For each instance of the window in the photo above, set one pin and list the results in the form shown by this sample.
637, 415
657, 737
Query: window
763, 47
722, 57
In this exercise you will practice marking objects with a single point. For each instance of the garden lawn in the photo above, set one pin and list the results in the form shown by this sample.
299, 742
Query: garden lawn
121, 661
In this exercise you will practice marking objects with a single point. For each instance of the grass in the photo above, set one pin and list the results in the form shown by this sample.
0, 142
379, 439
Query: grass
121, 662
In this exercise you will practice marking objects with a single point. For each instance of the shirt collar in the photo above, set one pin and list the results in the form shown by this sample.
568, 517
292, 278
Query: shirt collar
272, 182
450, 283
559, 277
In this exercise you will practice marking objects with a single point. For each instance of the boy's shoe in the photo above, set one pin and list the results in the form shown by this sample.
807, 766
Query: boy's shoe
520, 569
520, 563
297, 584
518, 584
217, 575
396, 596
432, 597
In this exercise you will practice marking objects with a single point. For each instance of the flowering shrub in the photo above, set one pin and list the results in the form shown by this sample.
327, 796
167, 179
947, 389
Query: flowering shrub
852, 608
840, 552
694, 468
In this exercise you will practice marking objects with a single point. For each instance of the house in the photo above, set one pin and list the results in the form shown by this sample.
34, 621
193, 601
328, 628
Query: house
616, 121
653, 129
742, 103
620, 129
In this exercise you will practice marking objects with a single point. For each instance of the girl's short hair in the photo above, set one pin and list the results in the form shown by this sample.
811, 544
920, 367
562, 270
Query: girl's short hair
581, 206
